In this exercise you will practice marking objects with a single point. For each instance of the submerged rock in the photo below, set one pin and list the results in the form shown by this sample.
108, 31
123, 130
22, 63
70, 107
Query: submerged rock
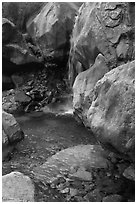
16, 187
75, 161
102, 27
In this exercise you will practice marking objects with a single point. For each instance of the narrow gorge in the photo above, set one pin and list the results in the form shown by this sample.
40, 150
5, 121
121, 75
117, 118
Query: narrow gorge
68, 102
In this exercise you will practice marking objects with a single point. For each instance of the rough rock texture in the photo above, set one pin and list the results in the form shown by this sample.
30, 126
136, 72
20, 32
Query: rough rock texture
11, 134
102, 27
110, 112
84, 85
52, 35
111, 115
14, 46
76, 161
11, 128
82, 173
17, 187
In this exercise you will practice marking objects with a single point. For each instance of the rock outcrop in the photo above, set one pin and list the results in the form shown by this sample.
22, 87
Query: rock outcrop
11, 133
102, 27
111, 109
52, 27
84, 85
16, 187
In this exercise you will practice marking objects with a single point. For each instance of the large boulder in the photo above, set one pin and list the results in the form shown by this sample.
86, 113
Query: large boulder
84, 85
111, 115
14, 46
102, 27
11, 134
16, 187
52, 27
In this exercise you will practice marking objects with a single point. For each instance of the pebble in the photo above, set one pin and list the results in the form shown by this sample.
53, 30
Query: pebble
129, 173
66, 190
73, 192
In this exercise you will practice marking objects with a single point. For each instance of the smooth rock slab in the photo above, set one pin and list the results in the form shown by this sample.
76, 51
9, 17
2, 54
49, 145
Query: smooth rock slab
73, 162
16, 187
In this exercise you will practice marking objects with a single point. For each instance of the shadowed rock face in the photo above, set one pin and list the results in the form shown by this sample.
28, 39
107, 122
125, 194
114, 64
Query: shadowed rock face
106, 28
52, 35
14, 47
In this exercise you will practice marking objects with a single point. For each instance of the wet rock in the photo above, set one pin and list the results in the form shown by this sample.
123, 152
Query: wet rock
66, 190
86, 157
102, 27
112, 198
17, 187
21, 97
53, 36
111, 115
84, 85
110, 185
73, 192
82, 174
8, 102
129, 173
94, 196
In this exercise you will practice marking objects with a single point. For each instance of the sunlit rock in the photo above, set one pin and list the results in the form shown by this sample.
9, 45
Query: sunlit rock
16, 187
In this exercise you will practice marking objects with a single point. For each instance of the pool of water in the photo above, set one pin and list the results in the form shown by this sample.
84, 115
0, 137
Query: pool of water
45, 134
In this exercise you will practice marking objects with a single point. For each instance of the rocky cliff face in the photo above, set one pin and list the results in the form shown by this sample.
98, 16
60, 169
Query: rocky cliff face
106, 28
